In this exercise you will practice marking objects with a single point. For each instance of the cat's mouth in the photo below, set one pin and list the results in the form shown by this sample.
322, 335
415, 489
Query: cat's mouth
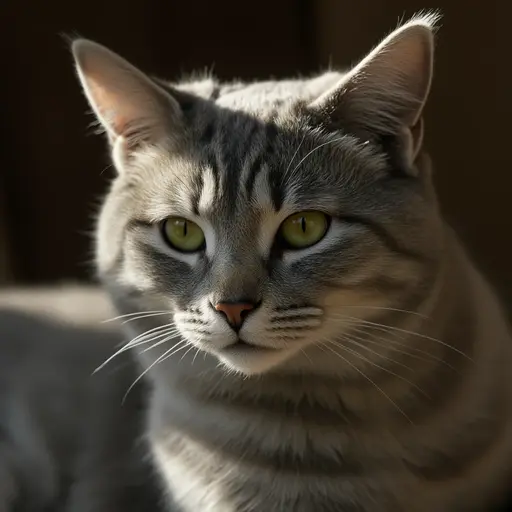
250, 358
244, 347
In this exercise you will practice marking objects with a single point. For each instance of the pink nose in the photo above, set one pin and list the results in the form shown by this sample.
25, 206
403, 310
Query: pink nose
234, 311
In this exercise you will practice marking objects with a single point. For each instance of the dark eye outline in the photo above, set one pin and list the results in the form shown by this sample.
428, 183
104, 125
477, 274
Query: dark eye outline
166, 239
283, 245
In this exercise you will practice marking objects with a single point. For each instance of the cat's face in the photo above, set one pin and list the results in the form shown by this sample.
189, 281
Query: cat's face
265, 233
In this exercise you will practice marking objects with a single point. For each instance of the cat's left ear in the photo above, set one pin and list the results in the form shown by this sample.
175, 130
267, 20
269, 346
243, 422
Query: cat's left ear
383, 96
133, 109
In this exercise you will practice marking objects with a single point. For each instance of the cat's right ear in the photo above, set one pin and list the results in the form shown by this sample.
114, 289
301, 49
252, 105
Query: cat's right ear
132, 108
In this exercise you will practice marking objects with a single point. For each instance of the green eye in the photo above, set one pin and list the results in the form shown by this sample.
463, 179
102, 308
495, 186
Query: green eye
304, 229
183, 235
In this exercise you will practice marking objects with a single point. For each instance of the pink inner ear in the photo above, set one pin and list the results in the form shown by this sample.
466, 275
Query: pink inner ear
108, 108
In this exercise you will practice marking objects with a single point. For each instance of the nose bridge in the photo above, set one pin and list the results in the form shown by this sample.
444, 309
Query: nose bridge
237, 271
239, 281
238, 277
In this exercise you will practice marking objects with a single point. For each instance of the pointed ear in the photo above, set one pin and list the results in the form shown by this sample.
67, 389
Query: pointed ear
132, 108
384, 95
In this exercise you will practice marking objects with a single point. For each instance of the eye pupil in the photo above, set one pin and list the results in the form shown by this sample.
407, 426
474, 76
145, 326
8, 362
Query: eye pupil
304, 229
183, 235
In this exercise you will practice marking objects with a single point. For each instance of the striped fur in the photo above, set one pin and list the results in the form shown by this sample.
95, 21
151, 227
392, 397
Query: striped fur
380, 381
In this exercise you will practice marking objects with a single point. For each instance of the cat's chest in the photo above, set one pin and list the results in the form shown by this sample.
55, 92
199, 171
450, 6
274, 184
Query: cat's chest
203, 477
191, 481
221, 456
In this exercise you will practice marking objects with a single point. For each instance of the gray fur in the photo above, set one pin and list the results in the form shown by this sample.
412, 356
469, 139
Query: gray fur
68, 441
378, 378
380, 382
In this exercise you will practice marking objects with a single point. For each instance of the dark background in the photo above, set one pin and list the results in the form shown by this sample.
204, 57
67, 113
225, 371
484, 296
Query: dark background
51, 173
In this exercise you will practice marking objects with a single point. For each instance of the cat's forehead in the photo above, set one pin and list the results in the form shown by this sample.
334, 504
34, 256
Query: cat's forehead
238, 164
273, 159
246, 161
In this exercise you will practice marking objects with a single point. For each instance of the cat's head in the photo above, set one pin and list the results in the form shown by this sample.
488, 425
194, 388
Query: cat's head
268, 220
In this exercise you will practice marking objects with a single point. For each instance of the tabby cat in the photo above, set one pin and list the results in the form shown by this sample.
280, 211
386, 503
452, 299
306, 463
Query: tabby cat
319, 341
315, 337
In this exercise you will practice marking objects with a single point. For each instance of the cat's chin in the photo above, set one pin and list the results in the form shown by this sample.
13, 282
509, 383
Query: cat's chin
251, 359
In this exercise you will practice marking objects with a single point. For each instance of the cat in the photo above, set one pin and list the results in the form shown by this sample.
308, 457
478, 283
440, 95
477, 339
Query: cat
311, 333
322, 340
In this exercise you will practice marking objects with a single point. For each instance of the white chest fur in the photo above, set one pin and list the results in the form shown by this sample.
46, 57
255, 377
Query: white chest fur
193, 476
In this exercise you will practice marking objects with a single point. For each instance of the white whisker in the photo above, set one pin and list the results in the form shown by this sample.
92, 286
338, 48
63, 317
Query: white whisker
390, 342
381, 391
306, 355
155, 329
151, 338
133, 314
294, 155
357, 343
195, 355
161, 342
404, 331
168, 352
184, 355
148, 315
382, 308
387, 370
175, 352
332, 141
141, 339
